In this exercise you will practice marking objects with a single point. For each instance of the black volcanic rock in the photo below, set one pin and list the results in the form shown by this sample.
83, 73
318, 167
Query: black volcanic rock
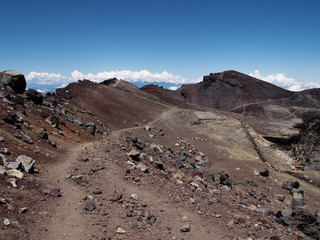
307, 151
34, 96
290, 184
14, 80
10, 118
264, 172
303, 220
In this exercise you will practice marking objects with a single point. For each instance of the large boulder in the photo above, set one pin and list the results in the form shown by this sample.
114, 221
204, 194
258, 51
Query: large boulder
34, 96
14, 80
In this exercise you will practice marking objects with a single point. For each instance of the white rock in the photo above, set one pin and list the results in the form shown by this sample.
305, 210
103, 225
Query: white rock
27, 162
6, 222
194, 185
13, 165
133, 196
120, 230
185, 219
14, 173
13, 181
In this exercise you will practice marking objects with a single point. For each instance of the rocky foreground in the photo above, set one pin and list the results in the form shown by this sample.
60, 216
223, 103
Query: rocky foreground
75, 166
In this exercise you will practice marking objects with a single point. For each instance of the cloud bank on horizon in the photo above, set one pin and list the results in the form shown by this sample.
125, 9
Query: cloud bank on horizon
43, 78
56, 79
281, 80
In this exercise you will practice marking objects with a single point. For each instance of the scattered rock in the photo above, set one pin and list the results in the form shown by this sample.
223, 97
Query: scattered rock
297, 202
13, 182
27, 163
51, 191
52, 142
230, 224
239, 218
22, 210
24, 137
44, 135
290, 184
178, 175
224, 178
185, 228
142, 167
134, 155
89, 206
116, 197
264, 172
139, 145
145, 213
134, 225
1, 139
54, 121
10, 118
185, 219
120, 230
15, 223
2, 170
265, 211
91, 128
280, 197
133, 196
5, 151
158, 165
14, 173
97, 191
13, 165
6, 222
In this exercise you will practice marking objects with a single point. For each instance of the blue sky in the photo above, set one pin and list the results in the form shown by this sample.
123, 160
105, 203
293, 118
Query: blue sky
175, 41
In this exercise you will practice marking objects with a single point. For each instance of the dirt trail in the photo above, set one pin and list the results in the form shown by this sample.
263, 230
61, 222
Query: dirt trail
117, 133
70, 221
67, 222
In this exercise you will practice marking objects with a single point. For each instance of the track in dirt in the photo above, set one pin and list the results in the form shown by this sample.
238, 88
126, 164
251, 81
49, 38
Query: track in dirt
67, 222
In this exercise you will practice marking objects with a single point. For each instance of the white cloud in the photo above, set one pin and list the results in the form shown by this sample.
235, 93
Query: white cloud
45, 78
131, 76
173, 88
281, 80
